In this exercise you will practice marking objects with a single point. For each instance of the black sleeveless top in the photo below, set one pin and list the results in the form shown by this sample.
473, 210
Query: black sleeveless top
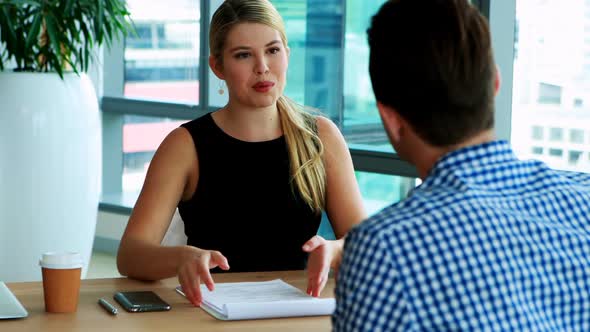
244, 205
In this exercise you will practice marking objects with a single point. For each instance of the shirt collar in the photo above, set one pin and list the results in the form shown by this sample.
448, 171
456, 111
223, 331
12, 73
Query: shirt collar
472, 158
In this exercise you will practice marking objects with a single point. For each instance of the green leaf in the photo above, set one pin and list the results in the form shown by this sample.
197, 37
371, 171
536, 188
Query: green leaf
109, 35
9, 23
33, 33
70, 48
20, 3
53, 30
72, 65
109, 6
69, 7
2, 55
74, 28
98, 22
86, 56
81, 59
55, 63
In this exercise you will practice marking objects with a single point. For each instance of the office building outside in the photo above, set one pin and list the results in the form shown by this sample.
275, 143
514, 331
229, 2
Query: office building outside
551, 92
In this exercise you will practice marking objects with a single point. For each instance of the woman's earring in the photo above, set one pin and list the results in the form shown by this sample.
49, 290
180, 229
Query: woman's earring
221, 91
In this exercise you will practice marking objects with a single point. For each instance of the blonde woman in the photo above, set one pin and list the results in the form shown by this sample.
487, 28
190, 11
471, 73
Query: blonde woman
251, 179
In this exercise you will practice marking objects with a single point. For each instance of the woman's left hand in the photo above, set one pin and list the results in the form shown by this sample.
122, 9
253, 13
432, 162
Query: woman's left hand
323, 255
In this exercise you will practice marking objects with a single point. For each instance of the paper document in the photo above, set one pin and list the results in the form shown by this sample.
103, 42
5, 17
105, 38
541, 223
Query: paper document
265, 299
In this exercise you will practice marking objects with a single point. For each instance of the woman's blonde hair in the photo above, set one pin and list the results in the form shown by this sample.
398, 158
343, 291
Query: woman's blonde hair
308, 174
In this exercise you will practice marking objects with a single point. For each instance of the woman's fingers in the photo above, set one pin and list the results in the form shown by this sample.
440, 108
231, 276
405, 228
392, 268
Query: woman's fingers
185, 287
196, 269
318, 264
189, 280
217, 259
203, 266
317, 283
313, 243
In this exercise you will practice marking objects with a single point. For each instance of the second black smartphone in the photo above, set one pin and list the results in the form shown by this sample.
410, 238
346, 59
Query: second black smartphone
141, 301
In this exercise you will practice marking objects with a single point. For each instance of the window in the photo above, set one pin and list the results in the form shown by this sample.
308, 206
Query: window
167, 81
574, 157
576, 135
360, 120
549, 94
537, 132
555, 152
162, 60
318, 66
555, 134
550, 78
379, 190
141, 137
537, 150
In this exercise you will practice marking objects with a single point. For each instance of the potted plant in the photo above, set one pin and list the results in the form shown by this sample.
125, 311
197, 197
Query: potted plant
50, 130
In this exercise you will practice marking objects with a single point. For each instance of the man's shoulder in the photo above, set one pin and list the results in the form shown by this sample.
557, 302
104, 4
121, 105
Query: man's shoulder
423, 212
408, 213
577, 177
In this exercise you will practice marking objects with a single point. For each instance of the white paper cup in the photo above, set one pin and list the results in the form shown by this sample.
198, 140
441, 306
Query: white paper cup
61, 280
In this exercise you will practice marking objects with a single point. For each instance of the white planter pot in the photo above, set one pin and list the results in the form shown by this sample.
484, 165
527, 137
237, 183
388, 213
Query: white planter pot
50, 169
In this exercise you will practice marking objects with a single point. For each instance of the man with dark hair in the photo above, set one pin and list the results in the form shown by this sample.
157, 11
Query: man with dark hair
487, 242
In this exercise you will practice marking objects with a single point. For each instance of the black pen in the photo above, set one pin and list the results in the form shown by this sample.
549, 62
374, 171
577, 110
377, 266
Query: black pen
107, 306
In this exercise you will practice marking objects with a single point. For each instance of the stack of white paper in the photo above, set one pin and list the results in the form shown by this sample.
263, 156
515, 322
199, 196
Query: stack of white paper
266, 299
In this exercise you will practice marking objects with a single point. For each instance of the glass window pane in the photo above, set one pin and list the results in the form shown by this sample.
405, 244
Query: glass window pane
162, 59
556, 134
574, 156
316, 75
555, 152
360, 122
216, 99
537, 132
551, 82
380, 190
141, 137
577, 136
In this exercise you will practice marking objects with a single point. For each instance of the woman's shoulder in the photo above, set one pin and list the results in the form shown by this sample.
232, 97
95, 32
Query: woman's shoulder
178, 140
327, 129
325, 124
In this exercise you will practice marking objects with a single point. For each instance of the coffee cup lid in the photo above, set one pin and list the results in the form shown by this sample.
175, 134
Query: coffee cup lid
61, 260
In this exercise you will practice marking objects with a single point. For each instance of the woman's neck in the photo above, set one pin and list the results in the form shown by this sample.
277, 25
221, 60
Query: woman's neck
249, 124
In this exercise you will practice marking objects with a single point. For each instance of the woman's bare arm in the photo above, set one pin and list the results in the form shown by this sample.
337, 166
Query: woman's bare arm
344, 206
168, 178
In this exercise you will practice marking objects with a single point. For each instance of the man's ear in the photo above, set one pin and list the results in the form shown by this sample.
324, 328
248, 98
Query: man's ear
216, 67
497, 81
391, 120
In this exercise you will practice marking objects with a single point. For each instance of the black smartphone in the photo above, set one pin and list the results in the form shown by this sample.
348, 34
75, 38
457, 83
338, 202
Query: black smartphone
141, 301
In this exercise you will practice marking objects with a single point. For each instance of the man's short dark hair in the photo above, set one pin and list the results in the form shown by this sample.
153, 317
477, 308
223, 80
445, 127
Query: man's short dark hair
432, 61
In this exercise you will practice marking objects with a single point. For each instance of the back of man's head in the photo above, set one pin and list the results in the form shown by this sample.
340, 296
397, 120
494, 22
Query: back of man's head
432, 61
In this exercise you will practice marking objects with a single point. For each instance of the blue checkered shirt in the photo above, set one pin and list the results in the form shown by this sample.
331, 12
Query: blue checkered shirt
486, 243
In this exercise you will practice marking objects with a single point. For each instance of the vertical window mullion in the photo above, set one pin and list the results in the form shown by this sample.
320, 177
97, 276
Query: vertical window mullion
112, 124
204, 56
340, 86
502, 18
112, 153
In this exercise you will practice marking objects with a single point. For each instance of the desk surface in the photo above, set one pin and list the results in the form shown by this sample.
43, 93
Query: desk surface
182, 317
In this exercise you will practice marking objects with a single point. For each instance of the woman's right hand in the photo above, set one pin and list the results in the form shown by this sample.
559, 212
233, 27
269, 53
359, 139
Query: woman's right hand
194, 267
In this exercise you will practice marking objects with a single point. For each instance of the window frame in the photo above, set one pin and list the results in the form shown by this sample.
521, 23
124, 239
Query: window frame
115, 106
